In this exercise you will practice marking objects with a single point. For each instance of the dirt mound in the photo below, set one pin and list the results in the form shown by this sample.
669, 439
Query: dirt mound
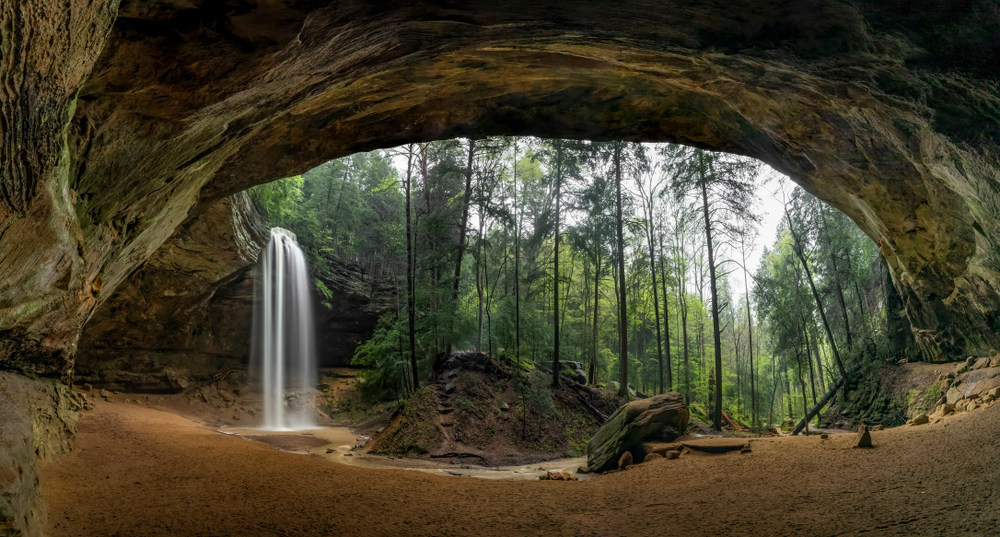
483, 412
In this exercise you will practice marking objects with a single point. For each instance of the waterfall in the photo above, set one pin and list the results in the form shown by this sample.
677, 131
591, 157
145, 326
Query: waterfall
282, 346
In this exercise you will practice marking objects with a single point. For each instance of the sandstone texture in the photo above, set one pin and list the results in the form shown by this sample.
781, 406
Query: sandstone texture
37, 425
662, 417
185, 312
124, 120
357, 303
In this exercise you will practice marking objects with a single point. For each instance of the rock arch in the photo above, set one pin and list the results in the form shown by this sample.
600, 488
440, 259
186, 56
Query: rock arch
122, 121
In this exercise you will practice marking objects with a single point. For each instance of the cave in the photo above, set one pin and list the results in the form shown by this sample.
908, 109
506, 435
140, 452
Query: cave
126, 123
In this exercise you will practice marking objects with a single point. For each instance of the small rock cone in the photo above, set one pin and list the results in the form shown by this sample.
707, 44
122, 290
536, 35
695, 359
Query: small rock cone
864, 439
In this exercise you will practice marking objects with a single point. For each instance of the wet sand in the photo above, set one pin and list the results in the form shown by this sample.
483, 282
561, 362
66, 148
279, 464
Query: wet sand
341, 445
142, 472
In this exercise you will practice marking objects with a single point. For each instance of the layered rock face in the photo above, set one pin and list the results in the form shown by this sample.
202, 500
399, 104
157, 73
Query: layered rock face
661, 418
121, 121
37, 424
185, 312
188, 311
357, 303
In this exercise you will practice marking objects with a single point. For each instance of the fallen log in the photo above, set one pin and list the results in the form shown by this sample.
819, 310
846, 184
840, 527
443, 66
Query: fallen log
814, 410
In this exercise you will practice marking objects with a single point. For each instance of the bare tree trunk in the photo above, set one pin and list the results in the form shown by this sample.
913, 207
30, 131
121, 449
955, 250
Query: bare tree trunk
717, 337
788, 391
819, 304
597, 302
479, 281
517, 269
840, 299
805, 403
812, 378
666, 316
819, 362
656, 299
410, 297
461, 230
622, 319
555, 278
753, 390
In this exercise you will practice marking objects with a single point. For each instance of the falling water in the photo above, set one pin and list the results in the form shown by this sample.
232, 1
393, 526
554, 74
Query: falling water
283, 347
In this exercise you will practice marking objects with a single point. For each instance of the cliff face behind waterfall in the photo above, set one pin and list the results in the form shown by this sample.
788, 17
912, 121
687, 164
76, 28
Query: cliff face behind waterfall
188, 310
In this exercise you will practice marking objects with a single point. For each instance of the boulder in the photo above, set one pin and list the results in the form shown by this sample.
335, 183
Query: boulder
864, 438
660, 418
922, 419
879, 427
953, 396
559, 476
625, 461
653, 456
942, 411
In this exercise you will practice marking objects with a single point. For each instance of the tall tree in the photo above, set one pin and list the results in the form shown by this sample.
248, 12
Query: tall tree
731, 181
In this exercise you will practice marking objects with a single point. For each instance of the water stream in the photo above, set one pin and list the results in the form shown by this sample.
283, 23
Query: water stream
283, 348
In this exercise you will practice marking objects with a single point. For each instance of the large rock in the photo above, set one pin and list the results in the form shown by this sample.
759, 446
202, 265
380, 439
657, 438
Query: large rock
571, 369
37, 424
350, 317
662, 418
187, 311
126, 119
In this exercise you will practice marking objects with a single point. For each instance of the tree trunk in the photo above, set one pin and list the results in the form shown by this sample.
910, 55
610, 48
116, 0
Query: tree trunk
622, 319
666, 316
802, 384
597, 302
479, 281
656, 299
819, 304
815, 410
461, 230
788, 391
410, 296
753, 390
517, 270
555, 275
812, 377
717, 336
840, 298
819, 362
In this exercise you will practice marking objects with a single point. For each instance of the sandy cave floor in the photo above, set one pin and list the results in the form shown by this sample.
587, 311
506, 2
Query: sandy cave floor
136, 471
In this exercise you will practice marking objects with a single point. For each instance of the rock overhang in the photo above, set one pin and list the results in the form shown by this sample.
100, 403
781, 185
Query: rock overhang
189, 102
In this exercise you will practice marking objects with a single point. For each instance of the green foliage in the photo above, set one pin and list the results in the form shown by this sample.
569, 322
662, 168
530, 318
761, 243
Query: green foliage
414, 431
387, 368
324, 292
353, 210
463, 404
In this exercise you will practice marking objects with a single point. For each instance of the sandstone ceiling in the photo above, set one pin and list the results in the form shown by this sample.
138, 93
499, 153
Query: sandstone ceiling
120, 120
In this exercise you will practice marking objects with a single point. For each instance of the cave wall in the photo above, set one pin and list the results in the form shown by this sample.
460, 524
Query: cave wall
37, 426
152, 111
122, 120
188, 310
357, 303
185, 312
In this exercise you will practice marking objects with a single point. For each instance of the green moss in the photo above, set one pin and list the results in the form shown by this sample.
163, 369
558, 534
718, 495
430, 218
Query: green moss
414, 431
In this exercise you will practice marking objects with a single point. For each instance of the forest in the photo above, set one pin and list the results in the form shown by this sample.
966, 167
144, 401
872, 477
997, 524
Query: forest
647, 264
